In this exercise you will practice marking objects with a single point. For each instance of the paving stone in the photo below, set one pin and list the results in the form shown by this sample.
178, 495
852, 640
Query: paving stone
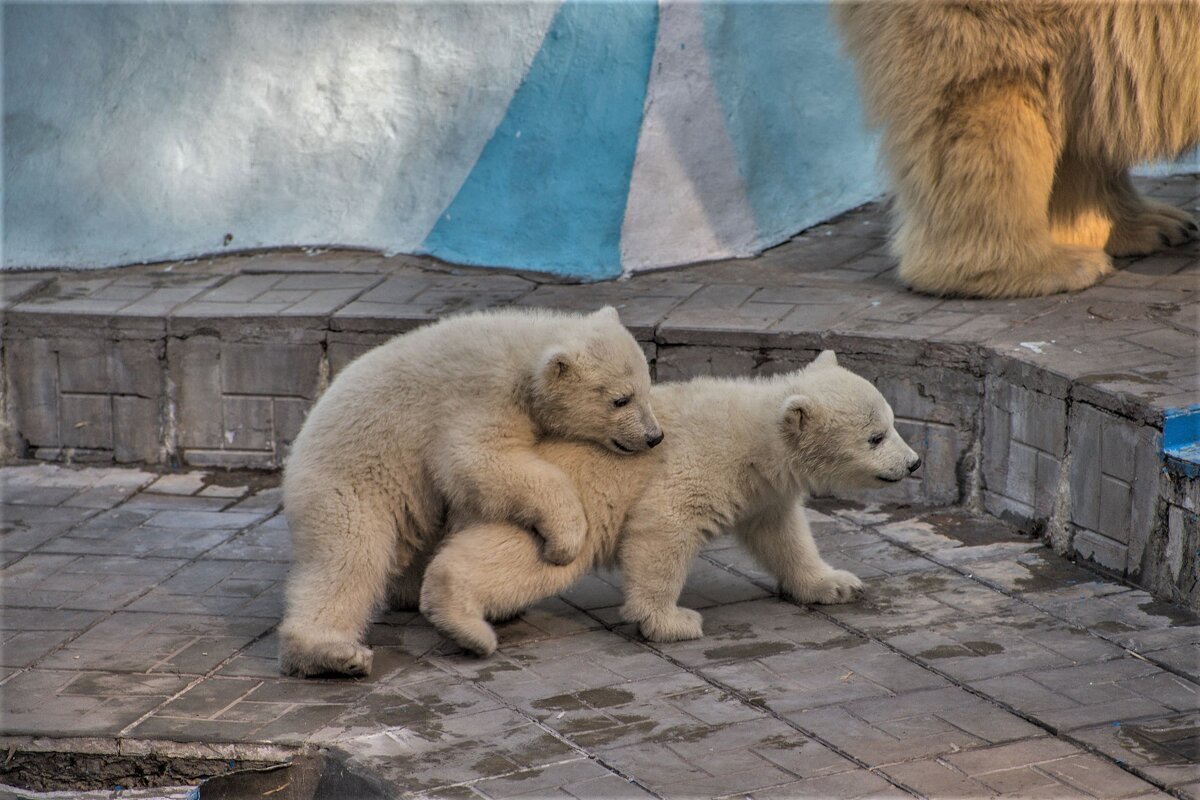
859, 783
27, 528
86, 421
541, 782
150, 503
194, 368
1011, 756
136, 433
289, 370
248, 422
1162, 748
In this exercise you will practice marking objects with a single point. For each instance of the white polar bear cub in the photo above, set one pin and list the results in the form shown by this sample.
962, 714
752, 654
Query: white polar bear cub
442, 422
742, 457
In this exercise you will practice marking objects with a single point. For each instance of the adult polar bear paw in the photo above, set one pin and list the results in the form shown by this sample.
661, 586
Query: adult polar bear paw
835, 586
673, 625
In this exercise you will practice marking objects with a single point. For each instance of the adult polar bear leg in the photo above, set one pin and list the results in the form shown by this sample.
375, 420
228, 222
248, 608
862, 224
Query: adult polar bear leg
973, 185
490, 571
656, 554
1096, 205
345, 550
782, 542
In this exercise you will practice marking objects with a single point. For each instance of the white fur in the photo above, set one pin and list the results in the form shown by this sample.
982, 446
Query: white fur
438, 421
741, 456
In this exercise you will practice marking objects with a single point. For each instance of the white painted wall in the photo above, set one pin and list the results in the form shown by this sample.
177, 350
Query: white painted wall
148, 132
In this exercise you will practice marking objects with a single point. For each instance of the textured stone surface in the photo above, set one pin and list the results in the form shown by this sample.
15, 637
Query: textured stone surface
139, 612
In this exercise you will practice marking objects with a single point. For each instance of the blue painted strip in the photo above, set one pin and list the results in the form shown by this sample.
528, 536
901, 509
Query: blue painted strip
549, 190
1181, 440
793, 112
1181, 428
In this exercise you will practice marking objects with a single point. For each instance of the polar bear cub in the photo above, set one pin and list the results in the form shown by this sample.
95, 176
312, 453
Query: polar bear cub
443, 422
742, 457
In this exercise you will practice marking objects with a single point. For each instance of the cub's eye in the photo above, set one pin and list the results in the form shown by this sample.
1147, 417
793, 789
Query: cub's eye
621, 402
876, 440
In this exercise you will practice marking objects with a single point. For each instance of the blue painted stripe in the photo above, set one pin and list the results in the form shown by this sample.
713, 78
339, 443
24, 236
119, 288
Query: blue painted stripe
549, 190
793, 112
1181, 428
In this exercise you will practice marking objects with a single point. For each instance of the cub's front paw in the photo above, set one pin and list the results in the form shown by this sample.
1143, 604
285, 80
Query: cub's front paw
561, 547
327, 658
834, 586
673, 625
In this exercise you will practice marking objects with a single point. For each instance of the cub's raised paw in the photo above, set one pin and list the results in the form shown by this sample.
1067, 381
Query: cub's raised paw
674, 625
561, 552
835, 586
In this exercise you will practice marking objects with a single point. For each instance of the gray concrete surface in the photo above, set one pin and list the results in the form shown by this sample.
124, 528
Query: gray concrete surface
139, 613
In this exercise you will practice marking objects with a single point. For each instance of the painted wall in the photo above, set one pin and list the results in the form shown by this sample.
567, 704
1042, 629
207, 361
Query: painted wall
579, 137
153, 131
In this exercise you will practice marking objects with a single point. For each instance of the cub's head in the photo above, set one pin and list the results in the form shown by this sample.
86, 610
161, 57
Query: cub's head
597, 388
841, 431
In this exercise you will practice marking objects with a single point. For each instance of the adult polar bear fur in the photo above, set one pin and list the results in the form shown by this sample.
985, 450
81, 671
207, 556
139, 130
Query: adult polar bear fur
742, 457
441, 421
1009, 128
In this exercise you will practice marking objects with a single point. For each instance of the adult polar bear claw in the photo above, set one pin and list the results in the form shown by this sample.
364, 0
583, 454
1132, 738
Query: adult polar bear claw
441, 423
1009, 129
742, 456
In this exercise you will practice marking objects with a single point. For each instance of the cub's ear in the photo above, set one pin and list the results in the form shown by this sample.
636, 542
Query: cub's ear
827, 358
798, 412
556, 364
607, 314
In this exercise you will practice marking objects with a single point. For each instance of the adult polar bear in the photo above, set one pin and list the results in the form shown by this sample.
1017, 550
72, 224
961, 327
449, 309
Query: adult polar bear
444, 420
1009, 128
742, 457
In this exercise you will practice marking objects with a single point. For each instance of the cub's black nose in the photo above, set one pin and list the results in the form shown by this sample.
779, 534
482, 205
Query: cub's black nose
655, 439
916, 465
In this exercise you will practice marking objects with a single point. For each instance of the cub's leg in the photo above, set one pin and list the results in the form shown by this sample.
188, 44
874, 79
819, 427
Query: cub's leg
973, 183
489, 571
404, 588
513, 483
655, 557
782, 543
344, 550
1096, 205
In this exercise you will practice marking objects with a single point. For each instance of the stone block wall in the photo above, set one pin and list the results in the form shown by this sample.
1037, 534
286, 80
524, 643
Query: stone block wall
102, 374
92, 395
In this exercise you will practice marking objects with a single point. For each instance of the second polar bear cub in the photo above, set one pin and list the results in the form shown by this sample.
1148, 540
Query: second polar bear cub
742, 457
441, 423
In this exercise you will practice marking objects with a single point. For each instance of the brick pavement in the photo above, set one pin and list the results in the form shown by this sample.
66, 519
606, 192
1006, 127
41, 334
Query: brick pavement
139, 614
